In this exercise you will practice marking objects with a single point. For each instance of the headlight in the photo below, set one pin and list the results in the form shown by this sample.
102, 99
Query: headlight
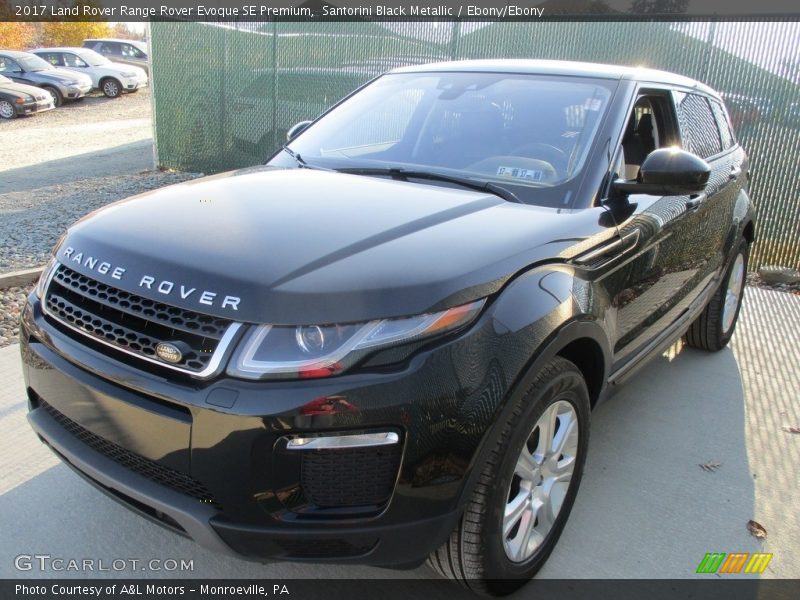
308, 351
128, 74
29, 98
45, 277
72, 83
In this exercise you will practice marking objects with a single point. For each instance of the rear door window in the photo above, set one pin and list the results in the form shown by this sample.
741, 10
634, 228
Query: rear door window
54, 58
109, 48
724, 125
698, 125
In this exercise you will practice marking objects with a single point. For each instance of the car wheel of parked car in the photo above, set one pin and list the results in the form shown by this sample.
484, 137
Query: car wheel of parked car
526, 488
111, 87
58, 99
7, 110
714, 327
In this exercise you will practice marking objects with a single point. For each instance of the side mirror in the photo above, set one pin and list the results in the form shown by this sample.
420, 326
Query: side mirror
668, 172
296, 130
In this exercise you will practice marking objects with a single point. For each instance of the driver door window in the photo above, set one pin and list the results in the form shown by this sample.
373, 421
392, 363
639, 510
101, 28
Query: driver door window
130, 51
646, 131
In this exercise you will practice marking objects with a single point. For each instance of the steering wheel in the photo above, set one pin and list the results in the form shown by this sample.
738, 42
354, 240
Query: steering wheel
547, 152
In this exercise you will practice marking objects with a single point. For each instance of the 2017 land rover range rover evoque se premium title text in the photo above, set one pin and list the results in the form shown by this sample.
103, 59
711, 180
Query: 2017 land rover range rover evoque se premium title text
385, 344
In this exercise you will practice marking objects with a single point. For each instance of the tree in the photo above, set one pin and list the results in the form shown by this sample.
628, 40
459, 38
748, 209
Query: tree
17, 35
72, 33
121, 30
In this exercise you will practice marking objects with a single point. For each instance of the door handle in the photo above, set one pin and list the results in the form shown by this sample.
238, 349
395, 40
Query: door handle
694, 203
735, 172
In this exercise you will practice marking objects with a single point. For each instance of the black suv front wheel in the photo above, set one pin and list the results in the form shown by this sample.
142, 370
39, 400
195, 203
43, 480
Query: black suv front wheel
526, 488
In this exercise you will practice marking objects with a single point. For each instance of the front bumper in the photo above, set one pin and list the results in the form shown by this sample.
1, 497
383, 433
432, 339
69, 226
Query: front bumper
123, 429
130, 84
75, 92
30, 108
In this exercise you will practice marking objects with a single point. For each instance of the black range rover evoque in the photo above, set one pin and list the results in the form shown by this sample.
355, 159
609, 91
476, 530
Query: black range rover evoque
385, 344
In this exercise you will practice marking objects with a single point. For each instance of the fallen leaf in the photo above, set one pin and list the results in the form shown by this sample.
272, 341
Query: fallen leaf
710, 466
792, 429
756, 529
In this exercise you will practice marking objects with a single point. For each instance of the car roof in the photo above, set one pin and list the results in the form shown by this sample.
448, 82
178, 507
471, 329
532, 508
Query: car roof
61, 49
134, 42
13, 53
560, 67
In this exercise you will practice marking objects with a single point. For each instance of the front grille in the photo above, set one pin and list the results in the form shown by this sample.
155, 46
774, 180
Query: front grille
350, 477
175, 480
131, 323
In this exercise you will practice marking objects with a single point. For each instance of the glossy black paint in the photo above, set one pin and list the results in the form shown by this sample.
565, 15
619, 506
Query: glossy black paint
604, 284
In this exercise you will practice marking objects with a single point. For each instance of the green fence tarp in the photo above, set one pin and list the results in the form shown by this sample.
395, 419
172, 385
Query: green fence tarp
224, 96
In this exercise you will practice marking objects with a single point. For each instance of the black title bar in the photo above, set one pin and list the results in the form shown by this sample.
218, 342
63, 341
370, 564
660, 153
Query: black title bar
394, 10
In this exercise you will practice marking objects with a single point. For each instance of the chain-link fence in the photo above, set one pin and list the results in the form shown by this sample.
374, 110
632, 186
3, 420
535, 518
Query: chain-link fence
225, 95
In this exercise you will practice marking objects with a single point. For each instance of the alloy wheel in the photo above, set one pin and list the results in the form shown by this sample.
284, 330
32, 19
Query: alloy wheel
6, 110
110, 88
733, 294
541, 479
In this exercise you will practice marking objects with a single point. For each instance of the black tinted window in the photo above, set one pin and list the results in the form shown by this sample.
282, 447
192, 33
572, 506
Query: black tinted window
724, 125
698, 126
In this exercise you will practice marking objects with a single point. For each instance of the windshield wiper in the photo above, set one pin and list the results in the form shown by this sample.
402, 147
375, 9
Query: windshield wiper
486, 186
296, 156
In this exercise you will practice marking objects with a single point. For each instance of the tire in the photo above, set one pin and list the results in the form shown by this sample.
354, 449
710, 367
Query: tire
58, 99
7, 110
713, 329
478, 553
111, 87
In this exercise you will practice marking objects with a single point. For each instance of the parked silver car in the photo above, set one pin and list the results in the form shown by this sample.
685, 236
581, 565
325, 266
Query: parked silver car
27, 68
109, 77
127, 52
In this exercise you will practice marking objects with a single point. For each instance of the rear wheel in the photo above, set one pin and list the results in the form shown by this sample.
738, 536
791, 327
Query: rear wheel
526, 487
111, 87
714, 327
7, 110
58, 99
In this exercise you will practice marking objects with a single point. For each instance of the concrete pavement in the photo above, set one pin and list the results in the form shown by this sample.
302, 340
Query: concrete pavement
645, 509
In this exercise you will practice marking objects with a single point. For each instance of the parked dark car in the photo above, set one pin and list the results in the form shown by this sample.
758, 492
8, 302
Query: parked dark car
17, 99
386, 343
127, 52
27, 68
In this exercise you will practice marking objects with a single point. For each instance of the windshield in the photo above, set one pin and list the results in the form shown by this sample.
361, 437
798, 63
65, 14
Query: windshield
514, 130
31, 62
93, 58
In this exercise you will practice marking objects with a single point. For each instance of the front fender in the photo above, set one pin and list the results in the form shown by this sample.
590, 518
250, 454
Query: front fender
539, 314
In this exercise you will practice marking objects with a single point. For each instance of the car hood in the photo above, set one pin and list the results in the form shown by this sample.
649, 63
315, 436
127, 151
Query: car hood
57, 75
300, 246
21, 89
116, 67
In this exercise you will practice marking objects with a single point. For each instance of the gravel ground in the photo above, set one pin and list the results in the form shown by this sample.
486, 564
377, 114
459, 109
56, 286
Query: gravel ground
94, 124
31, 222
60, 165
755, 280
11, 302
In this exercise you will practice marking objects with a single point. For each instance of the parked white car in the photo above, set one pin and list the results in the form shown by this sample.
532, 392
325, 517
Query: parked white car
109, 77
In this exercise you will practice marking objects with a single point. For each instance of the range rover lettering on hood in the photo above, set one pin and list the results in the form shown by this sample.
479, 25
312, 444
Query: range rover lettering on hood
154, 284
